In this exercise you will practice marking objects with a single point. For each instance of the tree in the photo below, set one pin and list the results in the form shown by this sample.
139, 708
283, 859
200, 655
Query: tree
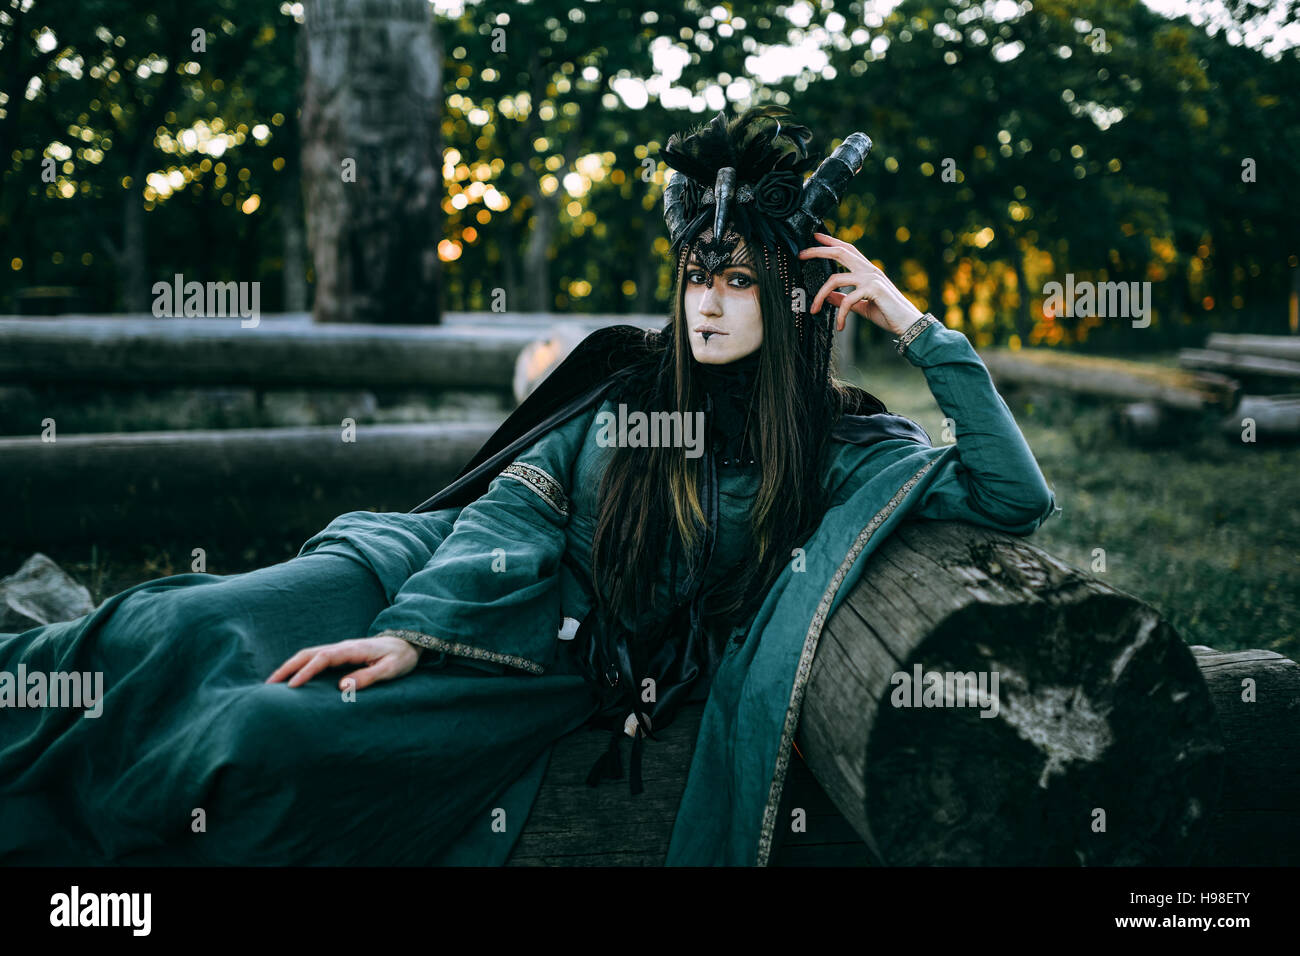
371, 159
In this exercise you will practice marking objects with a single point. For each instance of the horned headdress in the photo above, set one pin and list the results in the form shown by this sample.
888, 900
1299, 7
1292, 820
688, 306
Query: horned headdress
746, 178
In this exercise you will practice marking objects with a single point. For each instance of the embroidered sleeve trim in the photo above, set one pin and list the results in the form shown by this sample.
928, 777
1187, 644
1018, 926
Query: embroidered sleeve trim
913, 330
541, 483
464, 650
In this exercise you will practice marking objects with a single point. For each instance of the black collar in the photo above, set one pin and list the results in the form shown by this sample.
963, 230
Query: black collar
735, 378
731, 387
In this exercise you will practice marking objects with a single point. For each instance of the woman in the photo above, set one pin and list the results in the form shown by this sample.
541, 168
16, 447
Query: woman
697, 568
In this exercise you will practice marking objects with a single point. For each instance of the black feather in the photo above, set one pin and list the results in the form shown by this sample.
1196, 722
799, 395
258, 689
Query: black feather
755, 143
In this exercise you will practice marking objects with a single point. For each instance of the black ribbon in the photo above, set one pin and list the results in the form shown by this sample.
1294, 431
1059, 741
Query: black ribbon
607, 765
634, 773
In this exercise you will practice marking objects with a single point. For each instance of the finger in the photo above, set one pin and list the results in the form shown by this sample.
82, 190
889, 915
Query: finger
327, 657
821, 252
846, 305
380, 670
835, 298
292, 664
846, 253
834, 282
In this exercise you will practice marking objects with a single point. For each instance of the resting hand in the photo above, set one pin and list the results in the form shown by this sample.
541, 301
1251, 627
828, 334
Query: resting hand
387, 658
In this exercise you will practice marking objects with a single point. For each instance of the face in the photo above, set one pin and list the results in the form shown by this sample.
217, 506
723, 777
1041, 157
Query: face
722, 311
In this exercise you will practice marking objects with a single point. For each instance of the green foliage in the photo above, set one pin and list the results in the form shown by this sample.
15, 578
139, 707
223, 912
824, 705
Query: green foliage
1100, 139
113, 84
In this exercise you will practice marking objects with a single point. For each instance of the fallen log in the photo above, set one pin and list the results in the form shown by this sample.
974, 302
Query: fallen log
1274, 346
1276, 418
531, 322
1099, 746
1111, 378
139, 351
1239, 364
227, 485
1256, 697
1271, 418
1100, 707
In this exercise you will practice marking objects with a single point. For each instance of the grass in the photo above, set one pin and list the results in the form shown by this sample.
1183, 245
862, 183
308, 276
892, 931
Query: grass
1206, 531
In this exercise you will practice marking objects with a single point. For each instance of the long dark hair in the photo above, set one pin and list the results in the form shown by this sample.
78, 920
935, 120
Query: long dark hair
649, 496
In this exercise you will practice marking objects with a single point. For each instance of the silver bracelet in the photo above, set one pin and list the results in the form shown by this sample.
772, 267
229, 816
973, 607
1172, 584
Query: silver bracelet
912, 331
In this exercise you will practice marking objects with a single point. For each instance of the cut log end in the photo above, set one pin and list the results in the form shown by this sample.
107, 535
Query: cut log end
1094, 742
1100, 744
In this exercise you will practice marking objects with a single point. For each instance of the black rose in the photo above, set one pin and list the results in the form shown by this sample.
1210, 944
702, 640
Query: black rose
778, 194
692, 196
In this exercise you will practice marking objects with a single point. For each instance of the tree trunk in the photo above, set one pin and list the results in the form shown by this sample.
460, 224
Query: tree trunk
647, 270
540, 295
295, 249
371, 160
134, 259
1024, 313
508, 249
1293, 303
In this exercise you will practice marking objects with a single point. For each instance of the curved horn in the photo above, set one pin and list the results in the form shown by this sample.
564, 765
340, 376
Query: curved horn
823, 189
722, 193
675, 205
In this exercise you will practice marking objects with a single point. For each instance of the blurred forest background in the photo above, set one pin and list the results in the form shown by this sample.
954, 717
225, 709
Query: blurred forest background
505, 166
1102, 139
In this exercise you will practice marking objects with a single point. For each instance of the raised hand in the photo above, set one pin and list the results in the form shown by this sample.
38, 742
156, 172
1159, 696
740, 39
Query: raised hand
873, 295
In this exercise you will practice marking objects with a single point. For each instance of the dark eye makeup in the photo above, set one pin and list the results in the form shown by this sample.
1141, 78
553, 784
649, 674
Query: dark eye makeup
697, 276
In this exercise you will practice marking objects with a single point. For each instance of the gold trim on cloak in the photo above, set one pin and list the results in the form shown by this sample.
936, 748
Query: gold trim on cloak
806, 659
464, 650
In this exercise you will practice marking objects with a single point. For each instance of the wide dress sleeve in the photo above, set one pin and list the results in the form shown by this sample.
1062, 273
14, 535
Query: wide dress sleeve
994, 480
490, 594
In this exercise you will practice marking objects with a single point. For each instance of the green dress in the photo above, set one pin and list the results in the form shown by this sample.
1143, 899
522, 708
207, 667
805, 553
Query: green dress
193, 759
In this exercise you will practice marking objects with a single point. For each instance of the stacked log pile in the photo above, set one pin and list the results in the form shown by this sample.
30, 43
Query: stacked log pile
1269, 368
1237, 385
